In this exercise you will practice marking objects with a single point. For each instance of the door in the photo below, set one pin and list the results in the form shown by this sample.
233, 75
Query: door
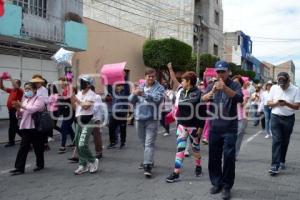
24, 68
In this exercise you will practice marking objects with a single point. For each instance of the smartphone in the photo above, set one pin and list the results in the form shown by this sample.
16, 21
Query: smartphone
281, 101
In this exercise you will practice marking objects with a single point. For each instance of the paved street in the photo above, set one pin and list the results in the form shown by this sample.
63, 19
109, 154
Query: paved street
120, 179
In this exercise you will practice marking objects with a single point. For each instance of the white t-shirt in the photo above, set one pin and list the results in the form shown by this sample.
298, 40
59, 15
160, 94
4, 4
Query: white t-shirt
43, 92
291, 95
100, 109
90, 96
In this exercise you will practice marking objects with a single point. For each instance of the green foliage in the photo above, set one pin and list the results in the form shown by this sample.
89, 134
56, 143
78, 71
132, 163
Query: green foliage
158, 53
207, 61
237, 70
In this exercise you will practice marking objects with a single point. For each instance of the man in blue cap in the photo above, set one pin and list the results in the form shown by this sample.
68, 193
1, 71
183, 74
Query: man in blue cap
224, 95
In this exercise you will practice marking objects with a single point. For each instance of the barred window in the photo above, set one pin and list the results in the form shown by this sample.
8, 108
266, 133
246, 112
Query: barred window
34, 7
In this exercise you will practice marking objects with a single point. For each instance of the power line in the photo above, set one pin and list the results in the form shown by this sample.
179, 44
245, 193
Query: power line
133, 13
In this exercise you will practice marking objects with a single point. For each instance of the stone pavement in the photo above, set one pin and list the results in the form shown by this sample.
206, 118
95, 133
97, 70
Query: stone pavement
120, 179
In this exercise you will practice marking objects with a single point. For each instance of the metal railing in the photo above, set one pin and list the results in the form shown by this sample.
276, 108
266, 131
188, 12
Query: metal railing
49, 28
38, 23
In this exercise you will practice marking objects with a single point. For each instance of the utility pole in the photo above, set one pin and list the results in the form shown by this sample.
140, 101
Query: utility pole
198, 50
198, 28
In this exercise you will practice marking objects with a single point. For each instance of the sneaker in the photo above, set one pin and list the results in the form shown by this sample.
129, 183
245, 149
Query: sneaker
147, 171
9, 145
123, 145
198, 171
16, 172
94, 166
186, 154
141, 166
174, 177
36, 169
226, 194
205, 141
166, 134
73, 160
62, 150
99, 156
71, 145
111, 146
273, 170
215, 189
267, 136
81, 170
282, 166
50, 139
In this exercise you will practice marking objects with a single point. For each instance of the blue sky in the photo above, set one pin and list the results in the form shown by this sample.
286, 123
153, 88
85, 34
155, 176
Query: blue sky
273, 25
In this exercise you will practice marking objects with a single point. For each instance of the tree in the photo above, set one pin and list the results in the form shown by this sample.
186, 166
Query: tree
158, 53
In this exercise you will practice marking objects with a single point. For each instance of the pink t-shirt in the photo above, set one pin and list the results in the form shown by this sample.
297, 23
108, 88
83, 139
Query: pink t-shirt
31, 106
240, 108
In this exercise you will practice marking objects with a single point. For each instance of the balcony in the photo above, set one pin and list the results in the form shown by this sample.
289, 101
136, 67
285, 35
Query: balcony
38, 26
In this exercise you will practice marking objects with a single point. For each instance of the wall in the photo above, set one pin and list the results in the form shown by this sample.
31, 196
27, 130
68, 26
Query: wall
107, 45
159, 18
214, 33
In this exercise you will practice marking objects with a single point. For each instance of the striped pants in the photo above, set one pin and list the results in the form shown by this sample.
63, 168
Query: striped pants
183, 133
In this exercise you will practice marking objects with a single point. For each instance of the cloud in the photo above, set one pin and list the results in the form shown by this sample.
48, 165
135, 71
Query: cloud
268, 23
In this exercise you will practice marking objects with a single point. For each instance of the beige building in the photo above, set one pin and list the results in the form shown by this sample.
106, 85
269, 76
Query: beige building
288, 67
108, 45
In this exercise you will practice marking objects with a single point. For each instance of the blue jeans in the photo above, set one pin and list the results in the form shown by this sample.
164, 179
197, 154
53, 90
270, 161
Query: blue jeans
66, 129
240, 135
254, 114
282, 128
267, 113
222, 145
147, 132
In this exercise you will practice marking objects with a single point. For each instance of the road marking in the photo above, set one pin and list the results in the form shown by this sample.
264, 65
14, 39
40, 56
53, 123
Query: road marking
7, 171
244, 143
253, 137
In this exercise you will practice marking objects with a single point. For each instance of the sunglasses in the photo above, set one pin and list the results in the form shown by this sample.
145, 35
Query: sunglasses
221, 72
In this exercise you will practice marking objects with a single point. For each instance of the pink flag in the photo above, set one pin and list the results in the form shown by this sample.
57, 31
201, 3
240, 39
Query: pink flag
112, 73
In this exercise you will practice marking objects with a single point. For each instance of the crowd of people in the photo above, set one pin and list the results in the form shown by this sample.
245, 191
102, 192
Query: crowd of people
215, 111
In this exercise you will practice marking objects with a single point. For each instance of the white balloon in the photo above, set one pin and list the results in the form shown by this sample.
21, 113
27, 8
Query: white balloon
63, 57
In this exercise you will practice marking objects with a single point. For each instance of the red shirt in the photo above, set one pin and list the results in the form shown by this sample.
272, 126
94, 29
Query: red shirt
14, 95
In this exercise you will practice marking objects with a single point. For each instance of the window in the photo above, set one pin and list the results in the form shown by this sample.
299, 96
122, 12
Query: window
217, 18
216, 49
34, 7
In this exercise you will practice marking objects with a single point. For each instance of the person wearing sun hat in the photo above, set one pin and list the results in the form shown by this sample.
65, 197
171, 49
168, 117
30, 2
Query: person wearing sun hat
42, 92
284, 99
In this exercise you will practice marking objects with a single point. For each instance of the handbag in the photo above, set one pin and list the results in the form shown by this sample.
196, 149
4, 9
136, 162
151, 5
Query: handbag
43, 121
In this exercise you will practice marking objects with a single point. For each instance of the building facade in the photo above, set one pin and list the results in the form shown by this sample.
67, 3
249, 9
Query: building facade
107, 45
287, 66
208, 21
31, 31
238, 50
163, 19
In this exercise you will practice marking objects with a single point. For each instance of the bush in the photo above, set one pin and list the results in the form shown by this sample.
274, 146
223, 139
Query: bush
158, 53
